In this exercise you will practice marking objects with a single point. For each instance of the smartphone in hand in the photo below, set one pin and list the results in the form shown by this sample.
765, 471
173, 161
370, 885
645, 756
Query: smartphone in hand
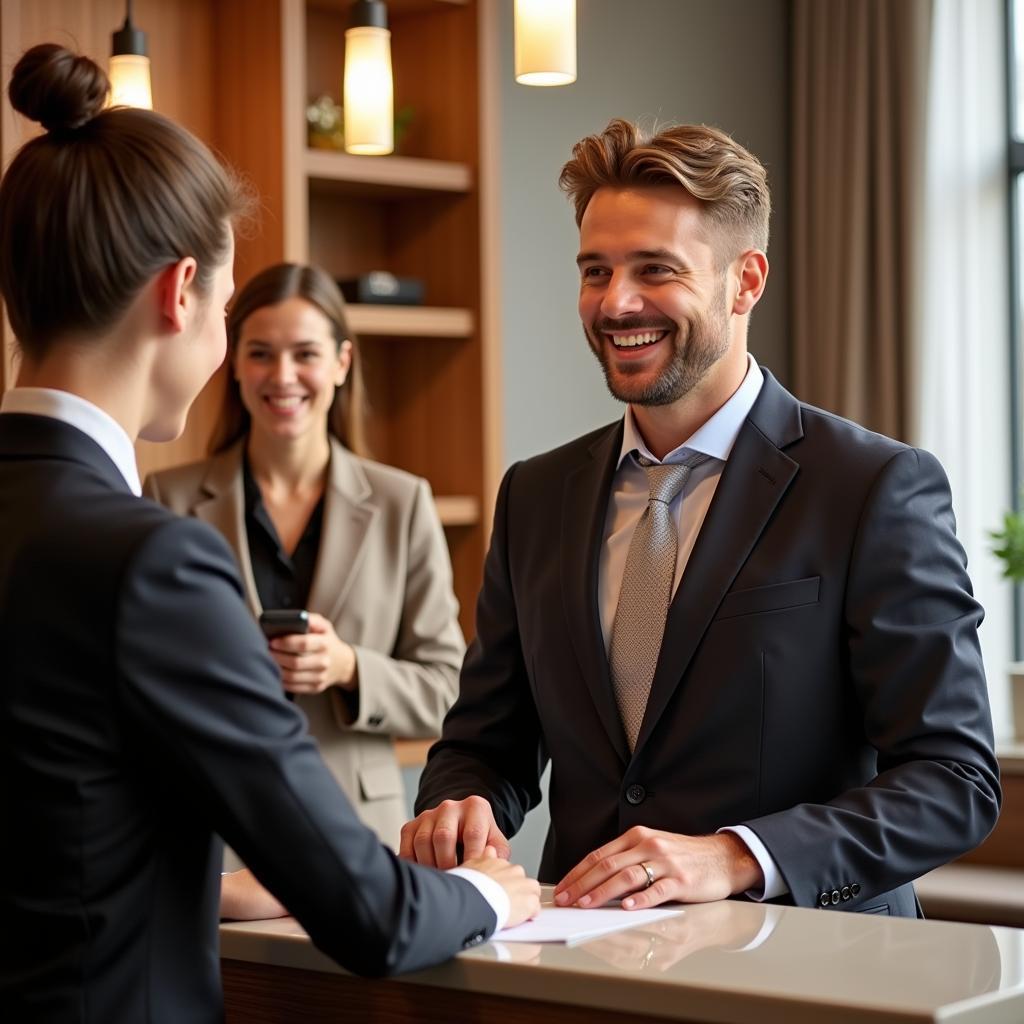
284, 622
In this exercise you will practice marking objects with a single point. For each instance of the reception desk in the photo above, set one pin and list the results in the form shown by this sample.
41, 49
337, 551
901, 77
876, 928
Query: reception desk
728, 962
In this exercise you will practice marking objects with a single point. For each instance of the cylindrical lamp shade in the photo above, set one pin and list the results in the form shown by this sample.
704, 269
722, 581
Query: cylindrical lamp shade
369, 92
129, 81
545, 34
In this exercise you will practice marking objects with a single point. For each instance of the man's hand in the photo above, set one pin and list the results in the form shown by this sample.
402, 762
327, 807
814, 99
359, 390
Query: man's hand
242, 898
432, 838
523, 893
690, 869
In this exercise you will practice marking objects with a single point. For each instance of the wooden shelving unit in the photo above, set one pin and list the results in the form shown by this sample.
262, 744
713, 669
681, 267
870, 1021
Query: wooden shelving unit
391, 177
410, 321
415, 214
458, 510
412, 753
422, 213
399, 6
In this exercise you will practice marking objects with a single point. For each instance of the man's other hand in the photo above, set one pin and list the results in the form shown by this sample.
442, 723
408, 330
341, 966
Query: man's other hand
432, 838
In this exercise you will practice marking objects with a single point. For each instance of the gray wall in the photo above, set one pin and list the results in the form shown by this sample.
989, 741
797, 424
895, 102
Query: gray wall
720, 62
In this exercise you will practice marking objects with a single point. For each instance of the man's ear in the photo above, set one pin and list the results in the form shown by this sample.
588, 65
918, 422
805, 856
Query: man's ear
174, 295
751, 271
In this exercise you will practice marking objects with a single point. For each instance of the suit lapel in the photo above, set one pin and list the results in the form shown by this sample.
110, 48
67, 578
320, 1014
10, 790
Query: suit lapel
756, 476
584, 507
222, 505
348, 515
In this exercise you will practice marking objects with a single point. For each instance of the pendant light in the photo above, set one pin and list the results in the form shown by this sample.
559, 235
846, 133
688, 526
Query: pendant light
129, 66
368, 102
545, 40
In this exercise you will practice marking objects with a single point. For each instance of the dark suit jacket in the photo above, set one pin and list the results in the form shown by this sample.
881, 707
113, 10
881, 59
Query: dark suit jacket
139, 715
820, 678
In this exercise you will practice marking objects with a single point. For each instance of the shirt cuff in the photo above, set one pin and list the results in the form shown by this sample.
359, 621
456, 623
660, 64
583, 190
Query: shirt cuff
774, 883
495, 895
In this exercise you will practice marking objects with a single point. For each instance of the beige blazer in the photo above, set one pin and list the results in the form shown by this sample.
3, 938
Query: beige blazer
384, 579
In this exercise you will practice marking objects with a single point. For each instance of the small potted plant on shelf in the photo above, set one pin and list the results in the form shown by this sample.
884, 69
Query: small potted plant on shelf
325, 124
1009, 549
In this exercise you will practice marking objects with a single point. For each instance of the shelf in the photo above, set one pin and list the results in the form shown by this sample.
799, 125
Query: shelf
457, 510
412, 753
410, 321
398, 7
395, 176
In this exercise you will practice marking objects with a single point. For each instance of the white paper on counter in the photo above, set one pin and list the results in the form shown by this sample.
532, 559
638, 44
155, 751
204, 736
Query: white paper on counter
575, 924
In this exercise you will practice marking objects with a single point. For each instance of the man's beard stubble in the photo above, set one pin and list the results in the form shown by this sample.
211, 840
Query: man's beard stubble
705, 342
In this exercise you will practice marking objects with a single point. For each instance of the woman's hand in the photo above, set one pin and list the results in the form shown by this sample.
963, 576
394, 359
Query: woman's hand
242, 898
311, 662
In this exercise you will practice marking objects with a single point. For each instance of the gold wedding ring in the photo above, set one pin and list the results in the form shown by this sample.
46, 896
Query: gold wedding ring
649, 871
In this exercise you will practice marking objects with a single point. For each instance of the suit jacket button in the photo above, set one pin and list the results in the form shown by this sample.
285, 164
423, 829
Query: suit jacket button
636, 794
473, 940
845, 893
855, 889
824, 900
375, 720
835, 897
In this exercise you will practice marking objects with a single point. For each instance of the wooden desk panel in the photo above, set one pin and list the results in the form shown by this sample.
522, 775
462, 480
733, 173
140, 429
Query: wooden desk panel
262, 994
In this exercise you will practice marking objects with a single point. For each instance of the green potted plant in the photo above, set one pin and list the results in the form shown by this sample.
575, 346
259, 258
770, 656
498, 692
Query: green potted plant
1008, 547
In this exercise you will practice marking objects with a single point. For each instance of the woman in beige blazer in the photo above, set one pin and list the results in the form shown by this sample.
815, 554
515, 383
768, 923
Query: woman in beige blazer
316, 525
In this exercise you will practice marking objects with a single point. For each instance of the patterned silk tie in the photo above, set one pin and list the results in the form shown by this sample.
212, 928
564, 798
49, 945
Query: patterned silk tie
646, 589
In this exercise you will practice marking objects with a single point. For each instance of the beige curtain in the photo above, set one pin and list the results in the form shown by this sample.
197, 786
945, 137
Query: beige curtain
859, 92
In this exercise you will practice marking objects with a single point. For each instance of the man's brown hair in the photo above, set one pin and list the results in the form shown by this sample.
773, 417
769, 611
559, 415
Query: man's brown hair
729, 181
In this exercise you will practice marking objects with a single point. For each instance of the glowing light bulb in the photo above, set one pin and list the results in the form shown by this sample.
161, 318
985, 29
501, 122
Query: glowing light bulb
368, 102
129, 81
545, 42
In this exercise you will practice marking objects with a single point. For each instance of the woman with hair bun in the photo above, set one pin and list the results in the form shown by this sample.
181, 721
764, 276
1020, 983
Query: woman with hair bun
140, 713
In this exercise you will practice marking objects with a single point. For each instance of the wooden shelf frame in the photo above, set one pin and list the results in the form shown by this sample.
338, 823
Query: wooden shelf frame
457, 509
412, 753
396, 176
433, 215
368, 320
395, 7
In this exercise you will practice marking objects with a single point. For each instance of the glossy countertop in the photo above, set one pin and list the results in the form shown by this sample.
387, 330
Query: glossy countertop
730, 962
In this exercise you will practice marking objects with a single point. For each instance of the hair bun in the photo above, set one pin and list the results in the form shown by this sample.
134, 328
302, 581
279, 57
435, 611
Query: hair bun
57, 88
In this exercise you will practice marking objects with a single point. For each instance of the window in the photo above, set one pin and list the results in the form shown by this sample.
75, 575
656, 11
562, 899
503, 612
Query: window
1015, 119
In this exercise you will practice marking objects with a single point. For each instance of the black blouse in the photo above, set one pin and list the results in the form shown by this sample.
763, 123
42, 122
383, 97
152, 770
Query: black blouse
282, 580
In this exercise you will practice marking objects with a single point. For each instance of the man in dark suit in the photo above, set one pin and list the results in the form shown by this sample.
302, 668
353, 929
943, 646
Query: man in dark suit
740, 627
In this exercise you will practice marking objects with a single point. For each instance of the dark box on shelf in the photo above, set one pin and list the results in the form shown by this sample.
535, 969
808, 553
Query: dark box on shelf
379, 286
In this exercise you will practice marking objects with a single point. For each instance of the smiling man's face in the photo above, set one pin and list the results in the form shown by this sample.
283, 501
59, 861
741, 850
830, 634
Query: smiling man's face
652, 292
